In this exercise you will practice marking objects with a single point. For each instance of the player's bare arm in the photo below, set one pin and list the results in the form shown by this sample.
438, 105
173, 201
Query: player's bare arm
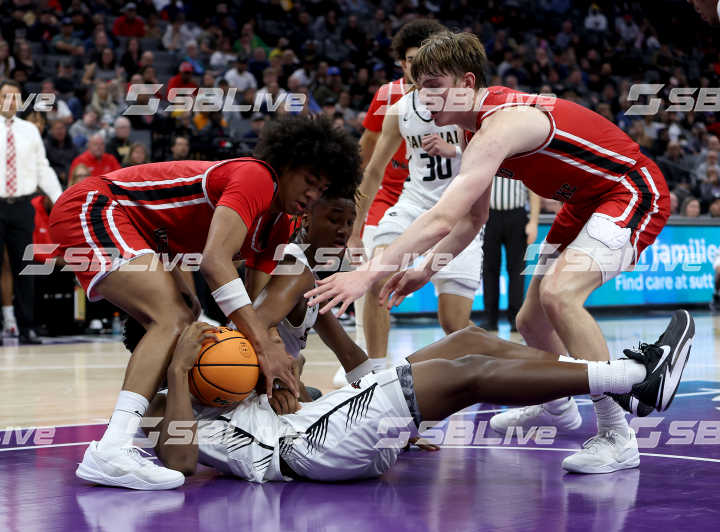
225, 239
388, 142
531, 229
176, 408
333, 334
504, 134
282, 295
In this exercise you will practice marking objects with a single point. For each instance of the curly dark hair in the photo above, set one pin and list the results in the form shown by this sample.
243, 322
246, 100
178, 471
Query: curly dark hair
412, 34
292, 141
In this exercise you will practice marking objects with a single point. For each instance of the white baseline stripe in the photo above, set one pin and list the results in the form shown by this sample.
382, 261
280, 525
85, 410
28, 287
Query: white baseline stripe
131, 184
555, 449
45, 446
595, 147
162, 206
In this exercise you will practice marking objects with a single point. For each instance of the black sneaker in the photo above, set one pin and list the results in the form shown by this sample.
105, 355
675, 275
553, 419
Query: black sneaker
665, 361
632, 404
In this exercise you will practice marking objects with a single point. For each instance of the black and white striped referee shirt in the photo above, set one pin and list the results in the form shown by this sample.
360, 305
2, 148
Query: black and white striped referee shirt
508, 194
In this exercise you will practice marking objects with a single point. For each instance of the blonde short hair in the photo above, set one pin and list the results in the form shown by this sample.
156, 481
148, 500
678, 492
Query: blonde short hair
451, 53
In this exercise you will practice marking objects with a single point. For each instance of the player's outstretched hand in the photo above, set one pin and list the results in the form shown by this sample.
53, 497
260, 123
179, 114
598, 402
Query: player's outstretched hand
189, 344
344, 287
275, 363
400, 285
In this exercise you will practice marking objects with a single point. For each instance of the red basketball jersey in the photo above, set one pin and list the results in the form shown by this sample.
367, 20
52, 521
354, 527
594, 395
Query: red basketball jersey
584, 158
172, 203
396, 172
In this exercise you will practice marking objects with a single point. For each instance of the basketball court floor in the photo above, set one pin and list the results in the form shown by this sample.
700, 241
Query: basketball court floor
60, 395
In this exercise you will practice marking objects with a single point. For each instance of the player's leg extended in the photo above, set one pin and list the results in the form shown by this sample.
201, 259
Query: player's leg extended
473, 340
443, 387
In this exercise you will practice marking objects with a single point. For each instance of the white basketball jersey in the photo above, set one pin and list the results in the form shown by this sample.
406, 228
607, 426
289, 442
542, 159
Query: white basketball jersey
295, 337
429, 176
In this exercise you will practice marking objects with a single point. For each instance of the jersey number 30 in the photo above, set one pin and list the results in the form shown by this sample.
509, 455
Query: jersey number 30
435, 165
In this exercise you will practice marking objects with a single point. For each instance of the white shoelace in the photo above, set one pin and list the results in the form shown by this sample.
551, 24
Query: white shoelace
606, 439
136, 454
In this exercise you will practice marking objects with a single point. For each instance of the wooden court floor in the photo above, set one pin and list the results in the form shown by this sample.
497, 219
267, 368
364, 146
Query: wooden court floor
77, 382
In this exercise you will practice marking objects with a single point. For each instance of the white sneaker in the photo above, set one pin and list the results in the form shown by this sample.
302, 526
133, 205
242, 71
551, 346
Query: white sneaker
10, 328
605, 453
126, 468
339, 378
537, 416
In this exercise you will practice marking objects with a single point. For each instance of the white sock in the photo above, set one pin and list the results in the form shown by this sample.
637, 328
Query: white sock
379, 364
610, 416
617, 376
558, 406
8, 313
125, 420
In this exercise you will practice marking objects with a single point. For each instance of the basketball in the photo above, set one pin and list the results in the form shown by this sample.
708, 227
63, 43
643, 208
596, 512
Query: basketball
226, 371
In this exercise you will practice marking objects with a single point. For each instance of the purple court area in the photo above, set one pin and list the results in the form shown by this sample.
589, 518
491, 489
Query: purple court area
506, 486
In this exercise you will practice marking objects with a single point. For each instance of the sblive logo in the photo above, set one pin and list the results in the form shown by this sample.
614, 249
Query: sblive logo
682, 99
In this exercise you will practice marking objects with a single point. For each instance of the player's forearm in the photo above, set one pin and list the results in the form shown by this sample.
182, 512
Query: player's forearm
426, 231
176, 446
462, 234
366, 191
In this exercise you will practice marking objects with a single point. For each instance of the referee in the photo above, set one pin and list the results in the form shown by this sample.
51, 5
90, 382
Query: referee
23, 168
508, 226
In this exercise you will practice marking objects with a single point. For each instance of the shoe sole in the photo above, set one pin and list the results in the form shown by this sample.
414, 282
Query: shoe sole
606, 468
678, 361
630, 462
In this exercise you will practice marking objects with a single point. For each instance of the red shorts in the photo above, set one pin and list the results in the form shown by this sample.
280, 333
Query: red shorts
94, 232
644, 212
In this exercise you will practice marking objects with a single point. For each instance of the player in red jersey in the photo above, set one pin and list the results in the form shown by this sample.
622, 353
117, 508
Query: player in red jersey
114, 227
616, 203
381, 187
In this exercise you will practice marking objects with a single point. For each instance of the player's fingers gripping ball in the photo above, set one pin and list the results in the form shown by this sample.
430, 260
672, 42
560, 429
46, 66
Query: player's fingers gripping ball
226, 371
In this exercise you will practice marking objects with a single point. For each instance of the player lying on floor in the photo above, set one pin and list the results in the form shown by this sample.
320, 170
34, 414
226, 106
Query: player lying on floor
336, 437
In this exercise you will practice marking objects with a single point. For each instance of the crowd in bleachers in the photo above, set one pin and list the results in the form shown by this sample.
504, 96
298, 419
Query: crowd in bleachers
338, 54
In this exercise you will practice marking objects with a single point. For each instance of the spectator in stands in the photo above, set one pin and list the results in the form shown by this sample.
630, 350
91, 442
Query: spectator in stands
65, 42
137, 155
65, 79
119, 144
130, 59
177, 34
224, 56
239, 77
674, 203
7, 62
105, 68
710, 187
104, 103
690, 207
83, 129
675, 165
79, 172
60, 110
180, 148
129, 24
192, 56
60, 149
706, 163
183, 79
24, 58
95, 158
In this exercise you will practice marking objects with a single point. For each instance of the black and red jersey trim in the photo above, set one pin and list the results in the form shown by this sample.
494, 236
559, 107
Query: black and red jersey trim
579, 153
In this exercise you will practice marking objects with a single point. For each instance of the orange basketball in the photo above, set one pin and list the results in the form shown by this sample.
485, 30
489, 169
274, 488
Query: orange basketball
226, 371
